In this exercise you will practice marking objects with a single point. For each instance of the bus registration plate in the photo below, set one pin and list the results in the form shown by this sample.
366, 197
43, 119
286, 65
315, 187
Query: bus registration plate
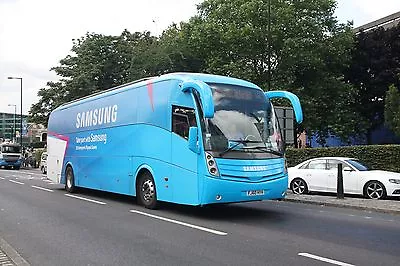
255, 192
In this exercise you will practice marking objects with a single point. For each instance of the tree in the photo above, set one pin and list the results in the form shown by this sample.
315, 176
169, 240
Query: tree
299, 46
392, 109
97, 62
374, 66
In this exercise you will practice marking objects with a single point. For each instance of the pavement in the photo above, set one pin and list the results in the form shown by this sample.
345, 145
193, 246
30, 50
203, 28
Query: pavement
391, 205
9, 256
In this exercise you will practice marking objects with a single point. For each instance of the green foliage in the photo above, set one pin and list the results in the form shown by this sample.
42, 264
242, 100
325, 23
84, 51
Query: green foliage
293, 45
382, 157
392, 109
299, 46
97, 62
374, 67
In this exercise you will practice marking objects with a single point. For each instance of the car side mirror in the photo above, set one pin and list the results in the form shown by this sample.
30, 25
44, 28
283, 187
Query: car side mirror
347, 169
193, 139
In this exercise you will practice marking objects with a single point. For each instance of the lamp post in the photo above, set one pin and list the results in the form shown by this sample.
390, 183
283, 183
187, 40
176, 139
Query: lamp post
20, 134
15, 129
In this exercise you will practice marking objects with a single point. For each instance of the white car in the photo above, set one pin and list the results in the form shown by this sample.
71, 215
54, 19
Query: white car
320, 174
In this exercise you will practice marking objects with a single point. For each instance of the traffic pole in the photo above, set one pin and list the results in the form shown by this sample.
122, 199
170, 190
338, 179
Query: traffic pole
340, 190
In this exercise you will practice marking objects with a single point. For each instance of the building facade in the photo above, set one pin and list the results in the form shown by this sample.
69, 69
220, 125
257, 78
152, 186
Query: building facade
10, 125
10, 129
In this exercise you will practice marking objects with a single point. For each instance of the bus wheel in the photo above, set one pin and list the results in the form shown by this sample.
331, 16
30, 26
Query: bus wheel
146, 191
69, 180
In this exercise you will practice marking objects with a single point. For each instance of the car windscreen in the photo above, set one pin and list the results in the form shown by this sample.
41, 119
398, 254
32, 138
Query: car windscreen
10, 149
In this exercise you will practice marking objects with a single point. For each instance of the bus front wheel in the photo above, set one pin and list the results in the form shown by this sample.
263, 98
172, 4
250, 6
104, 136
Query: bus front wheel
69, 180
146, 193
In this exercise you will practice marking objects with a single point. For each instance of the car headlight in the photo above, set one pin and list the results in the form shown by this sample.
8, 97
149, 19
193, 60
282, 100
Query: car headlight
394, 181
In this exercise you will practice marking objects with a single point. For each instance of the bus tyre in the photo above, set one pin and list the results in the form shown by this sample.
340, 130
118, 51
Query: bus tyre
69, 180
146, 191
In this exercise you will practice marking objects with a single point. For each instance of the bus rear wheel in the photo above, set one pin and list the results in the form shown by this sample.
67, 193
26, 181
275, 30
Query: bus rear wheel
146, 192
69, 180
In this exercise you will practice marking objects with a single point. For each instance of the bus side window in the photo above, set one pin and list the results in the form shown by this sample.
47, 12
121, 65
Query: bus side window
182, 119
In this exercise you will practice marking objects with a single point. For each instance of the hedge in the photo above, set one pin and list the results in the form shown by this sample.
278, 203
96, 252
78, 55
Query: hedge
382, 157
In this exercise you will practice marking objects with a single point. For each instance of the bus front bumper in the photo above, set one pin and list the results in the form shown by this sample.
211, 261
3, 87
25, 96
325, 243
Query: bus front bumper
218, 190
10, 163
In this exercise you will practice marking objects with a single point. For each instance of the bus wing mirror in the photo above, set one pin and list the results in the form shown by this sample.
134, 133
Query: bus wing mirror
193, 138
294, 100
205, 95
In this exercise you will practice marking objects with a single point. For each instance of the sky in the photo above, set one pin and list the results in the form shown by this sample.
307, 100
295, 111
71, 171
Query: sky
36, 34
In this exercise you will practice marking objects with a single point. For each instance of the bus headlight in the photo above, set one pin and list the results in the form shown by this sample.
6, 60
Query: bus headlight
211, 165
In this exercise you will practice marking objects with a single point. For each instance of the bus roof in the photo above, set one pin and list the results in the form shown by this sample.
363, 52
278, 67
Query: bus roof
181, 76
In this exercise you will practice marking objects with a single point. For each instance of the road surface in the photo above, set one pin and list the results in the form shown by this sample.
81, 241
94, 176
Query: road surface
48, 226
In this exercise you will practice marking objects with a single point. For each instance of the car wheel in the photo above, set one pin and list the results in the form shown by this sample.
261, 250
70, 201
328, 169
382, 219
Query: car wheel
299, 186
69, 180
146, 192
374, 190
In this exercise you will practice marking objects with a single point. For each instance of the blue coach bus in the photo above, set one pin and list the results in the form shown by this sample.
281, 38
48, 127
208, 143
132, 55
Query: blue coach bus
186, 138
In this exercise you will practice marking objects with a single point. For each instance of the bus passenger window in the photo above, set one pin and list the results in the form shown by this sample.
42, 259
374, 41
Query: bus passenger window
182, 119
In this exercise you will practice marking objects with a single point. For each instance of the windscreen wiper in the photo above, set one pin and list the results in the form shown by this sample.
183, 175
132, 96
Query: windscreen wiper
238, 142
268, 150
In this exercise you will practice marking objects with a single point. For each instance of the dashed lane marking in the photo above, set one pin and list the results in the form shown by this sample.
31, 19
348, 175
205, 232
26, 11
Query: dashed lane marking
16, 182
42, 188
85, 199
331, 261
181, 223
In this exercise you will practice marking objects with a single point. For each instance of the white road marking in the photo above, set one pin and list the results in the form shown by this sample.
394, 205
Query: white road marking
42, 188
2, 178
315, 257
181, 223
16, 182
81, 198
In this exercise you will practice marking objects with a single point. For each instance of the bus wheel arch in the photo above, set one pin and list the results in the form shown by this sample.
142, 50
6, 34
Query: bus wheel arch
146, 192
69, 179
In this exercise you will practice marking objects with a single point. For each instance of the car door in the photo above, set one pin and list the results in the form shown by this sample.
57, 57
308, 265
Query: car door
316, 175
350, 180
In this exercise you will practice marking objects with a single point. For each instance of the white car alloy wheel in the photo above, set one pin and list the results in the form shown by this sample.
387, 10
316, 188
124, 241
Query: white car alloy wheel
299, 186
374, 190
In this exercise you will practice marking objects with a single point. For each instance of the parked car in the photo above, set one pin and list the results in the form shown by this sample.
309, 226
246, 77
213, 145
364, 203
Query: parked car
320, 174
43, 163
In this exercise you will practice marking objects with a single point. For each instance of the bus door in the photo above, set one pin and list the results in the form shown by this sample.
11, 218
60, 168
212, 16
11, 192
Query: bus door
184, 162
